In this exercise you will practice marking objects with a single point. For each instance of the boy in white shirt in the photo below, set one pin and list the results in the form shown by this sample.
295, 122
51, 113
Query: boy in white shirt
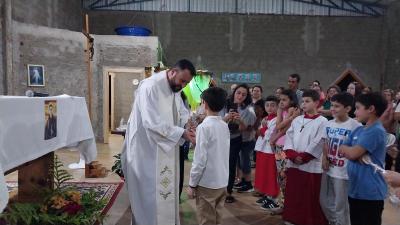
210, 168
333, 197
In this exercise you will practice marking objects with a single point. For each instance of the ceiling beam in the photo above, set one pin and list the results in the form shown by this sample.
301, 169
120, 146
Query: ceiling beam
349, 6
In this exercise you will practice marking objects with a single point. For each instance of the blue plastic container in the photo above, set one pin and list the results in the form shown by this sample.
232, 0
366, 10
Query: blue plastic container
133, 31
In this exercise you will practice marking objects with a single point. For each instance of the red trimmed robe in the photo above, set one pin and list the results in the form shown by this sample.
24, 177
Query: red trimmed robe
304, 141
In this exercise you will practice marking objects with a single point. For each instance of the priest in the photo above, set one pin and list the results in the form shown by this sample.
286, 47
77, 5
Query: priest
150, 155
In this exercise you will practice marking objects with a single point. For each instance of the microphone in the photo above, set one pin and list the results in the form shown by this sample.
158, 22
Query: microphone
29, 93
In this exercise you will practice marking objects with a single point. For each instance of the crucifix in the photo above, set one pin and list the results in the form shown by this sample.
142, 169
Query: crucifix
89, 57
94, 169
301, 129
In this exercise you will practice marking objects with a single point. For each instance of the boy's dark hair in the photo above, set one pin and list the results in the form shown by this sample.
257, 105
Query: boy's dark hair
317, 81
185, 64
313, 94
272, 98
375, 99
344, 98
258, 86
296, 76
292, 97
215, 97
260, 103
337, 88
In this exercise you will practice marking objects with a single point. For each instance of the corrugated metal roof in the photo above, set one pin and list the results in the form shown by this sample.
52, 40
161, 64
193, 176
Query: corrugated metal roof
282, 7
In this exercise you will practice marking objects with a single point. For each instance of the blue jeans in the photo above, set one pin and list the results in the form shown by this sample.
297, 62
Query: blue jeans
246, 151
235, 146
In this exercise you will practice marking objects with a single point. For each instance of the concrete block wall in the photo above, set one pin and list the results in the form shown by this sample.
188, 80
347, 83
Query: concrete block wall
2, 73
60, 51
392, 70
63, 14
62, 54
117, 51
276, 46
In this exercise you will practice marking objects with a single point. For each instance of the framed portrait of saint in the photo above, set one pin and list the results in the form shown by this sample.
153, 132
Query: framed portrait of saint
36, 76
50, 115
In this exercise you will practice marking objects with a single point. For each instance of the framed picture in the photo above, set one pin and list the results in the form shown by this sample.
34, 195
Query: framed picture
50, 115
36, 76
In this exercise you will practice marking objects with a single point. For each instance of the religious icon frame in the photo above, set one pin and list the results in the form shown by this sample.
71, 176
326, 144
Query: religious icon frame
41, 81
50, 125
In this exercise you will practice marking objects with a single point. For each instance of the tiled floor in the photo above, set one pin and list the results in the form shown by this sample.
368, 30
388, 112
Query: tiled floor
243, 212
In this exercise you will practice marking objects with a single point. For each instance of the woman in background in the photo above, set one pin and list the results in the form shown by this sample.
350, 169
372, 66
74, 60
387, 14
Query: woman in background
354, 88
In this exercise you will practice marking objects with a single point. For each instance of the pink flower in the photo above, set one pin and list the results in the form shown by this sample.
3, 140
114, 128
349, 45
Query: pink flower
72, 208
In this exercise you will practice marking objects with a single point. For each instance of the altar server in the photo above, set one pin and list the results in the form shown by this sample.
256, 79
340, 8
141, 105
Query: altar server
303, 148
266, 180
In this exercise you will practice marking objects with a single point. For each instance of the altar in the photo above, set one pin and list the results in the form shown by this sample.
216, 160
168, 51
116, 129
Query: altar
31, 129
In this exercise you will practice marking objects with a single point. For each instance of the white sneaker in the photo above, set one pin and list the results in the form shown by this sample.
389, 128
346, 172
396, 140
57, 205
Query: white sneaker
79, 165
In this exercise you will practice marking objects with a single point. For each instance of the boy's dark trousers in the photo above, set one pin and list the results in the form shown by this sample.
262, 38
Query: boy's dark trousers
365, 212
183, 154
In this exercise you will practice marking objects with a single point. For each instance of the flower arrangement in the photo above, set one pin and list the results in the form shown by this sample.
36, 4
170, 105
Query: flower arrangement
64, 205
67, 202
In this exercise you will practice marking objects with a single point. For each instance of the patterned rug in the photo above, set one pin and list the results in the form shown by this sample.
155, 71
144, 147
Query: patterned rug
107, 191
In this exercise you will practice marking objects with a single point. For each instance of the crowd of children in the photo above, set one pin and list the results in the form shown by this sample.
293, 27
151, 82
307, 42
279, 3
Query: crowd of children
316, 154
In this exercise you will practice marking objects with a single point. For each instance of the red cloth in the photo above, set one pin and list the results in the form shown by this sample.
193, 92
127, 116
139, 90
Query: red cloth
263, 130
302, 205
291, 154
271, 116
306, 157
266, 180
306, 116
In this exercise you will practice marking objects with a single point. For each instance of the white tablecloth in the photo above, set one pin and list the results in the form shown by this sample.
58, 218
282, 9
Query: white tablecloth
22, 126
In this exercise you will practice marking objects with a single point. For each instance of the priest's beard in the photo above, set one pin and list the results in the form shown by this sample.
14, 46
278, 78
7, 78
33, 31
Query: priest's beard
174, 87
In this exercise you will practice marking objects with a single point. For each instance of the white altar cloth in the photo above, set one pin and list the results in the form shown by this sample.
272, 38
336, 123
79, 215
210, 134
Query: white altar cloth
22, 131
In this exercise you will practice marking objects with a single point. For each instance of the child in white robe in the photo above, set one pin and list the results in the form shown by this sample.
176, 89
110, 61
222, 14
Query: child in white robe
210, 168
303, 149
266, 172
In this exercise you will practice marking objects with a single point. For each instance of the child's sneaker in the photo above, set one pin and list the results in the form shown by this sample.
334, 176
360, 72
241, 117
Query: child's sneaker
261, 200
270, 205
247, 187
239, 185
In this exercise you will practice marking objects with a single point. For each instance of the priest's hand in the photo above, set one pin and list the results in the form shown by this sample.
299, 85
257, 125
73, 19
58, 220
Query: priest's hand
189, 135
191, 192
191, 126
392, 178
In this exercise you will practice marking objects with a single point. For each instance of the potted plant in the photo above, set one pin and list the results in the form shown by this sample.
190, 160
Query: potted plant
117, 167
